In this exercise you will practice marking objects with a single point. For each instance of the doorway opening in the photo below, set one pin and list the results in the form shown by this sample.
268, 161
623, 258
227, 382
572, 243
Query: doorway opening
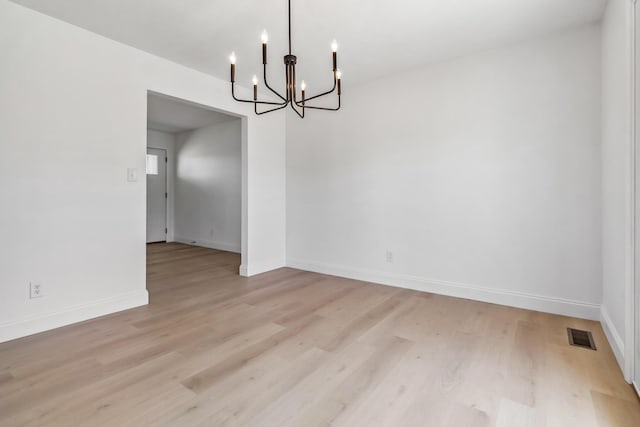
195, 180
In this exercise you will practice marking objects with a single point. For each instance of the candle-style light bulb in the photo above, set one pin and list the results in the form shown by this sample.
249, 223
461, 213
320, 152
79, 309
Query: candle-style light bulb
303, 85
265, 39
255, 87
334, 54
232, 59
338, 74
339, 77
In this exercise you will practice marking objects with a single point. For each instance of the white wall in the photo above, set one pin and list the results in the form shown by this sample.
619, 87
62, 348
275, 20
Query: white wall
616, 172
167, 142
208, 183
481, 175
72, 120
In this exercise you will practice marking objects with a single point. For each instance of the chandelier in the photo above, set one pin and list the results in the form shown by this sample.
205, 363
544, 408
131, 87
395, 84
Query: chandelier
299, 105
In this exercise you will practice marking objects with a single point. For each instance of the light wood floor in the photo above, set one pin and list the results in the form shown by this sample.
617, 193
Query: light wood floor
304, 349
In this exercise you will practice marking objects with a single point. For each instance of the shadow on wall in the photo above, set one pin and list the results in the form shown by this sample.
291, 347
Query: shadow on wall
208, 186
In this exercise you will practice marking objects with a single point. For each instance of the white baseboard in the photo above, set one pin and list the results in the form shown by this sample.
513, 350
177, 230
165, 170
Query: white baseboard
527, 301
259, 268
614, 338
44, 322
212, 244
243, 270
246, 270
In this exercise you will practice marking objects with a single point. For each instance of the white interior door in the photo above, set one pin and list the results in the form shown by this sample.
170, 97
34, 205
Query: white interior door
156, 195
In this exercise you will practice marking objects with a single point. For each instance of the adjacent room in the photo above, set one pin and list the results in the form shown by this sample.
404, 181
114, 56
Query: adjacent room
302, 213
194, 175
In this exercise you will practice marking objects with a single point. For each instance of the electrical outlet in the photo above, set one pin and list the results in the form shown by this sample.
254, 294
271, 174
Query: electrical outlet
389, 256
35, 290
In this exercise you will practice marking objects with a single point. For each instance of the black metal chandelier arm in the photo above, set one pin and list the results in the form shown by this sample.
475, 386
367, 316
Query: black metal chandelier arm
297, 112
291, 78
304, 105
255, 108
300, 103
233, 94
293, 84
335, 84
269, 87
287, 73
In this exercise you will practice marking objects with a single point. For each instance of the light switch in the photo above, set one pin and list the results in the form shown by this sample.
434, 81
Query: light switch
132, 174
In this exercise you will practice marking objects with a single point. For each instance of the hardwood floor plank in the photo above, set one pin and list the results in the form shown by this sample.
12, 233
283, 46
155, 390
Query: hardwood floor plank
358, 326
326, 376
613, 411
333, 406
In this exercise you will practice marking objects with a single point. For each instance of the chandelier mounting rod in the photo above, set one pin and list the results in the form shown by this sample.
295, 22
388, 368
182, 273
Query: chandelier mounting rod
289, 27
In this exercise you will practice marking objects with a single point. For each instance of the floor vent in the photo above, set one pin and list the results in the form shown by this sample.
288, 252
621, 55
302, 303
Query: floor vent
580, 338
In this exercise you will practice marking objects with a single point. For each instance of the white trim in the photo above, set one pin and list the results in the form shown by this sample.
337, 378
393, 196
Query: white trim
627, 363
613, 336
212, 244
243, 271
244, 191
263, 267
44, 322
583, 310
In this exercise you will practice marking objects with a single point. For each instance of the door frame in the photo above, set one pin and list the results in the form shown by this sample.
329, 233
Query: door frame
632, 318
624, 345
166, 189
244, 131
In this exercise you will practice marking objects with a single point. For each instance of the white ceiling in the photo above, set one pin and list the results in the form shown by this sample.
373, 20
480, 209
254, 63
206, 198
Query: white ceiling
173, 115
376, 37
